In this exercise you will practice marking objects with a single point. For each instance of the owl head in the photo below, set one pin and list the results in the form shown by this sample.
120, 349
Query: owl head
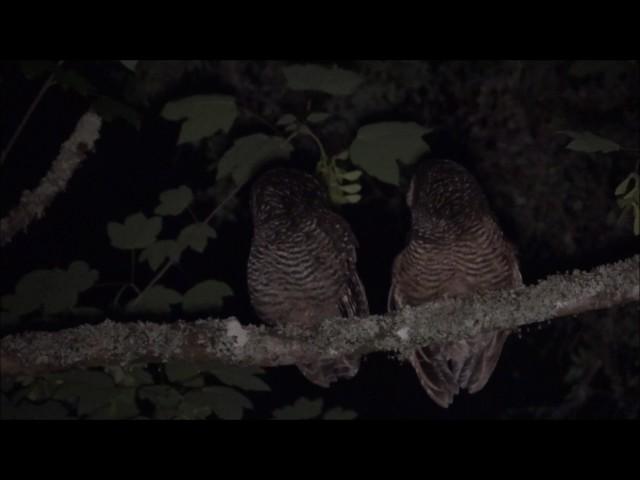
286, 192
444, 193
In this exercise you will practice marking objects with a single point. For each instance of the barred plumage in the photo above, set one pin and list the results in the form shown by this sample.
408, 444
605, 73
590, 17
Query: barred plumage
302, 264
455, 248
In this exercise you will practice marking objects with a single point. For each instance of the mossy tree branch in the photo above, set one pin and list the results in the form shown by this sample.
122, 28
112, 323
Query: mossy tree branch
33, 203
227, 341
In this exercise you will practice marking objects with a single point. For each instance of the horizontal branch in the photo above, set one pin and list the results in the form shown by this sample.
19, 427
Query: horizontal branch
227, 341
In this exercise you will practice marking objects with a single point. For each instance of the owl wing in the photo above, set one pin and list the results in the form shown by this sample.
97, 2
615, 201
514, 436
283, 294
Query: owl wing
353, 299
485, 350
444, 369
434, 372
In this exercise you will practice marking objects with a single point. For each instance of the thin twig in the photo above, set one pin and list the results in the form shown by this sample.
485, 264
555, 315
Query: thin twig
154, 280
50, 81
229, 197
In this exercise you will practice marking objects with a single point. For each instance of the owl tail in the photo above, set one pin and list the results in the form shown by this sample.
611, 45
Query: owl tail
325, 373
443, 370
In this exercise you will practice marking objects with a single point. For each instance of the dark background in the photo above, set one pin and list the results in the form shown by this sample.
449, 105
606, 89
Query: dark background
498, 118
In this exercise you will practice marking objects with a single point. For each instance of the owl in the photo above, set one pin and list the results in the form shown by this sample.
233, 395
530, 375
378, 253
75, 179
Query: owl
455, 248
302, 263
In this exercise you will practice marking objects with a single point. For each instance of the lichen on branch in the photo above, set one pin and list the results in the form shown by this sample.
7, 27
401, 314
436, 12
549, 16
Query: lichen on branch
227, 341
33, 203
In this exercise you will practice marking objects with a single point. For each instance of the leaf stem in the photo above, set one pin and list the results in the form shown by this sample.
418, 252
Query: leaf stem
133, 266
50, 81
215, 210
307, 130
154, 280
123, 289
261, 118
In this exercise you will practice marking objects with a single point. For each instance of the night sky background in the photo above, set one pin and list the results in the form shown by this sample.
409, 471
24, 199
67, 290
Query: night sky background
498, 118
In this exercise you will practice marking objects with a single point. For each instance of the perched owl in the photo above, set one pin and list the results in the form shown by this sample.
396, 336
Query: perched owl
455, 248
302, 265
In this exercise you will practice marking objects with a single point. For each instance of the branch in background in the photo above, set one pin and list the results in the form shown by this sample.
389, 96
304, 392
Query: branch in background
33, 203
111, 343
45, 86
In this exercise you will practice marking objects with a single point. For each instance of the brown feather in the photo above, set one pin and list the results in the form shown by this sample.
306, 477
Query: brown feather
302, 265
455, 249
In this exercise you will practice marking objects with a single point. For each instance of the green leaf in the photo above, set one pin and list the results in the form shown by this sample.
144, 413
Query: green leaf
179, 372
137, 231
249, 153
195, 382
130, 64
174, 202
352, 188
227, 403
351, 176
165, 399
342, 155
586, 68
36, 288
91, 399
286, 119
44, 288
339, 414
207, 295
379, 146
35, 68
111, 110
80, 276
161, 395
60, 300
118, 373
318, 117
79, 377
241, 378
121, 405
7, 410
9, 319
140, 375
25, 380
353, 198
334, 81
90, 389
195, 236
156, 300
214, 365
302, 409
160, 251
195, 405
6, 383
35, 283
588, 142
292, 127
16, 305
87, 312
40, 390
203, 115
622, 188
129, 376
55, 290
72, 80
51, 410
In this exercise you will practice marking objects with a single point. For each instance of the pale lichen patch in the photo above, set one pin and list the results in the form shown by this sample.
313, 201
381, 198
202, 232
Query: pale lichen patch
403, 333
237, 331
